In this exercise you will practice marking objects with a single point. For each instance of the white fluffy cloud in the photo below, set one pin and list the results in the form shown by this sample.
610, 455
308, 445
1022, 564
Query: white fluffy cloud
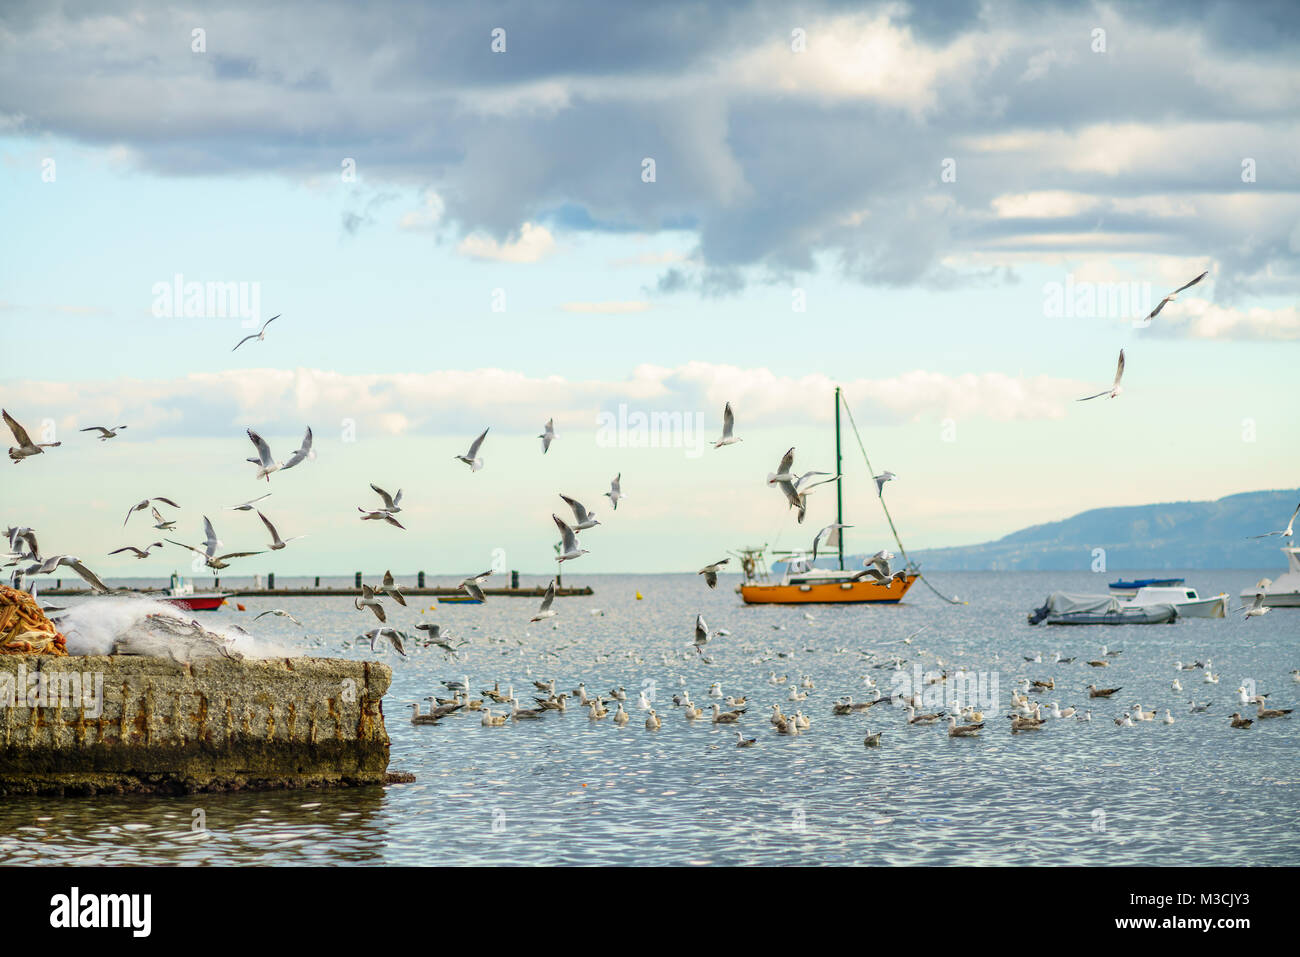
463, 401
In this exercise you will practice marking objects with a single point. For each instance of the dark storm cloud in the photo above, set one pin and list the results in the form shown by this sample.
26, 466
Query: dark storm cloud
774, 173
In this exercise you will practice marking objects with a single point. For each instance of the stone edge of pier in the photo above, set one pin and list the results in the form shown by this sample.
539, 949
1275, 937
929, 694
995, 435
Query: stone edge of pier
163, 726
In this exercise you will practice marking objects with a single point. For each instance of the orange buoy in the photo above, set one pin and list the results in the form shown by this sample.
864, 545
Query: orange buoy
237, 605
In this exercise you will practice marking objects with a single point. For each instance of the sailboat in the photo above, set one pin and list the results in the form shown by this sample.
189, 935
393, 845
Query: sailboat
801, 582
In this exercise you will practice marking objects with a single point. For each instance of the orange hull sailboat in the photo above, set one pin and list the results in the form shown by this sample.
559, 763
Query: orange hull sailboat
803, 583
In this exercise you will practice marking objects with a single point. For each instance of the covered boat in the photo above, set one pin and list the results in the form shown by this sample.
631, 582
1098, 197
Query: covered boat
1063, 608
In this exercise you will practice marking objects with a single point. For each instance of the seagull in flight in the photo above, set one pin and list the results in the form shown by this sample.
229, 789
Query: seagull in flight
139, 552
53, 562
471, 458
392, 634
784, 479
473, 585
302, 452
277, 542
710, 572
1115, 389
141, 506
279, 612
832, 535
880, 481
160, 523
379, 515
569, 541
1174, 295
391, 502
265, 462
105, 434
25, 445
248, 506
547, 437
546, 611
583, 519
728, 425
1258, 607
615, 493
368, 600
260, 334
210, 546
392, 589
1286, 532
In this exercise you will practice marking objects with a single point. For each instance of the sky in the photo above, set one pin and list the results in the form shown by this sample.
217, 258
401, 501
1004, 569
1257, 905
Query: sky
490, 215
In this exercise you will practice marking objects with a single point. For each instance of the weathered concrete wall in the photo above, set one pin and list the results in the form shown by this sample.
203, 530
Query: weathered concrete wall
214, 724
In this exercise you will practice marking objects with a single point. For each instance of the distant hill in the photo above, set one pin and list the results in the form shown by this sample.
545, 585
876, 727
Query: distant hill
1171, 535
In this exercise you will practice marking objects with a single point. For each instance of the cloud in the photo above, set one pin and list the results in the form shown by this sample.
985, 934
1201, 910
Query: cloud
777, 161
1201, 319
533, 244
451, 402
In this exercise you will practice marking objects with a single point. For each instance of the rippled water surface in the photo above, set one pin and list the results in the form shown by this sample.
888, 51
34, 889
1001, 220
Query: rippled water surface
569, 790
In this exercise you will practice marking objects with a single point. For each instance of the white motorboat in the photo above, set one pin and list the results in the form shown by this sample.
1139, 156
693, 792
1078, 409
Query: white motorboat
1188, 603
1283, 591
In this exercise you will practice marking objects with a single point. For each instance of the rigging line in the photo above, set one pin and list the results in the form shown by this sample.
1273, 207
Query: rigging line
889, 518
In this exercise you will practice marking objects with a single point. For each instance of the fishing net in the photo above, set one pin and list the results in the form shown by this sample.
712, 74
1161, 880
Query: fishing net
24, 629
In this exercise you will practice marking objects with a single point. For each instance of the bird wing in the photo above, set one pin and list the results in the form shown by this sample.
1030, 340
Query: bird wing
1119, 370
566, 534
20, 434
304, 451
166, 501
263, 450
388, 499
91, 578
95, 428
787, 463
243, 340
728, 421
1097, 396
275, 536
1156, 311
548, 597
220, 558
473, 449
197, 551
127, 548
579, 511
268, 322
1192, 283
473, 590
210, 532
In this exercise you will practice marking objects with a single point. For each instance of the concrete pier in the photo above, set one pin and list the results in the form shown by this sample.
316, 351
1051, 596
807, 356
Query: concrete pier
85, 725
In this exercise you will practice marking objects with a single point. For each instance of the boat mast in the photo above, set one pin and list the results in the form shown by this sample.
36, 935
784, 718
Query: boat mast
839, 479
